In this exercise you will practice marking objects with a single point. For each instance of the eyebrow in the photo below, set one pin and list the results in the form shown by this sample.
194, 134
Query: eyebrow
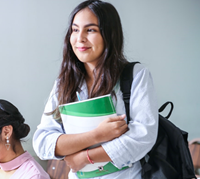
87, 25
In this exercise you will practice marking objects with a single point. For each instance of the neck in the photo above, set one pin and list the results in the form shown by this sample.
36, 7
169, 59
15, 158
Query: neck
89, 69
90, 76
10, 154
89, 80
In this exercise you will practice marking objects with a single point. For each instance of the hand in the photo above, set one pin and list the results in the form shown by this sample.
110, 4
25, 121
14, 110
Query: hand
111, 128
77, 161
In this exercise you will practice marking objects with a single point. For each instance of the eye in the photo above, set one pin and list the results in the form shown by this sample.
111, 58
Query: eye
74, 30
91, 30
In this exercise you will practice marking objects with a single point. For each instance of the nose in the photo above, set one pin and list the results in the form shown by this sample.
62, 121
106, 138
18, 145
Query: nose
81, 37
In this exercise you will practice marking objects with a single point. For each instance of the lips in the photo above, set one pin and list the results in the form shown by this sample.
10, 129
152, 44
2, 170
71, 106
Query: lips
82, 49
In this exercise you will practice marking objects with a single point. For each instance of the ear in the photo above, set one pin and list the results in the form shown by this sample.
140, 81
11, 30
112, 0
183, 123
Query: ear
7, 131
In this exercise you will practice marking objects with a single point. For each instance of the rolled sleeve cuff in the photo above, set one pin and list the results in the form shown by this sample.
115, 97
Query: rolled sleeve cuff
49, 151
115, 152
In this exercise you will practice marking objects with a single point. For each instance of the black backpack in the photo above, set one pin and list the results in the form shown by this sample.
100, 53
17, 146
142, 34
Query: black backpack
170, 156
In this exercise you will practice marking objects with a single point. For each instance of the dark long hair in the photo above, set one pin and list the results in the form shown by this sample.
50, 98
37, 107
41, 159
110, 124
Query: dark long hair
110, 65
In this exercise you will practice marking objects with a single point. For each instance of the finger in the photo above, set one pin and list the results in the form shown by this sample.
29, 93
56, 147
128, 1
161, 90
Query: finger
117, 118
67, 163
65, 159
124, 129
122, 116
122, 126
121, 123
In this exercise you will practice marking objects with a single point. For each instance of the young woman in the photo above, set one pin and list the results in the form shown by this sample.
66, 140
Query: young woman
92, 63
15, 163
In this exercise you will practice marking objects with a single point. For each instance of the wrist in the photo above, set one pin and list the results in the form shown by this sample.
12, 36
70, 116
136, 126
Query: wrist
84, 157
96, 136
88, 157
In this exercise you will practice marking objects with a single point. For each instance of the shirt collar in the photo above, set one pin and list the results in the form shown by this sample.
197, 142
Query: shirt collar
84, 90
83, 87
15, 163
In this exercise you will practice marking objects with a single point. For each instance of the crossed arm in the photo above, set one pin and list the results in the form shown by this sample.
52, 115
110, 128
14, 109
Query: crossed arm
73, 145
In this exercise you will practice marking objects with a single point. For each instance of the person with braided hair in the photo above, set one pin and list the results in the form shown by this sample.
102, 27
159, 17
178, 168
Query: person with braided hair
15, 162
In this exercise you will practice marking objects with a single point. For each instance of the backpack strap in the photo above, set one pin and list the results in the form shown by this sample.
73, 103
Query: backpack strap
162, 108
126, 79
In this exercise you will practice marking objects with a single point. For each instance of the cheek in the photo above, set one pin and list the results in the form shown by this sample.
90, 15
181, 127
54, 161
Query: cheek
99, 42
101, 45
72, 40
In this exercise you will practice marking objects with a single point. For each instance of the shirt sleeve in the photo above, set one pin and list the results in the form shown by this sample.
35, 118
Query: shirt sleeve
48, 131
143, 126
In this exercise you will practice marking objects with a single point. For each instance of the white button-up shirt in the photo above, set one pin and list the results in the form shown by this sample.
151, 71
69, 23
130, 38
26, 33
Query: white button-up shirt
125, 150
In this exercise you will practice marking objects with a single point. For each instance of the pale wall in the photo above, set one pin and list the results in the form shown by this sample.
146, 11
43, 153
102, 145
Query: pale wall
164, 35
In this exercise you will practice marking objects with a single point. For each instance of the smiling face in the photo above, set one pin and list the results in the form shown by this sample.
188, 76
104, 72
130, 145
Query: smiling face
86, 40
